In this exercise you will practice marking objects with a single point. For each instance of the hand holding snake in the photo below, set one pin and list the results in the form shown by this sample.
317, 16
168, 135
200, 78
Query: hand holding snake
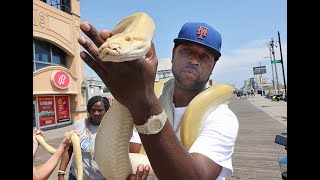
138, 75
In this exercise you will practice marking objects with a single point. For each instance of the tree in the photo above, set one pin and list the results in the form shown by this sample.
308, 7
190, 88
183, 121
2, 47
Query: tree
105, 90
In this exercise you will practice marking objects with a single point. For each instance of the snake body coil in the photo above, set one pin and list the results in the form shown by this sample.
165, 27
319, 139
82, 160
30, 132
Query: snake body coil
132, 40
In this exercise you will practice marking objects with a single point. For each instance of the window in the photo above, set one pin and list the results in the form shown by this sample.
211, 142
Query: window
58, 56
42, 51
63, 5
46, 54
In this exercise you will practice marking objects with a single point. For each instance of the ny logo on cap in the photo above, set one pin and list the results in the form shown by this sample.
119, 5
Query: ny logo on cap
202, 32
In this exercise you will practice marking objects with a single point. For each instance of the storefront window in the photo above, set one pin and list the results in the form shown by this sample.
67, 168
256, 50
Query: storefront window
52, 110
46, 54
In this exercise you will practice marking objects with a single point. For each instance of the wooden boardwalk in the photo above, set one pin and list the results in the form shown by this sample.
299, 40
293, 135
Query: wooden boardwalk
255, 154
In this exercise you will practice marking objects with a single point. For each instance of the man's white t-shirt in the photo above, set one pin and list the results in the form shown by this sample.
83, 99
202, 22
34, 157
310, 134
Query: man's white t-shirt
216, 139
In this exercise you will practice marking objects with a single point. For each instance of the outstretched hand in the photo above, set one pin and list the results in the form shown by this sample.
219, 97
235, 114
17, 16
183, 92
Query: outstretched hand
36, 132
66, 142
130, 82
141, 173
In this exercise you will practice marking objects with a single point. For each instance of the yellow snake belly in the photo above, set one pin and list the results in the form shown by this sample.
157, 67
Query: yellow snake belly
198, 110
112, 144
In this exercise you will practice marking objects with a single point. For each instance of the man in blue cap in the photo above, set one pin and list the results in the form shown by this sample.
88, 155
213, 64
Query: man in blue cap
194, 55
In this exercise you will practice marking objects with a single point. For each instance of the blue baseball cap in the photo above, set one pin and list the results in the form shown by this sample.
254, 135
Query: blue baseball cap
200, 33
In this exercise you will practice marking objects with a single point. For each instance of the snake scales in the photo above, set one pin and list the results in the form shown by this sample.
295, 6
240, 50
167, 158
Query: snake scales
131, 40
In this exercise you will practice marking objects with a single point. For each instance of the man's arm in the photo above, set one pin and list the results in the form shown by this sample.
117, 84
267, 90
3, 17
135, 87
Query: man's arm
169, 159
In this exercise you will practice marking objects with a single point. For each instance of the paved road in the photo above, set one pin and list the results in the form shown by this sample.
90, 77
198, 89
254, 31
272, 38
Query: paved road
255, 155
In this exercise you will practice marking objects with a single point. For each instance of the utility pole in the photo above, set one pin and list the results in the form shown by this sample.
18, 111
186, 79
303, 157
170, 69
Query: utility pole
260, 78
281, 60
270, 56
275, 66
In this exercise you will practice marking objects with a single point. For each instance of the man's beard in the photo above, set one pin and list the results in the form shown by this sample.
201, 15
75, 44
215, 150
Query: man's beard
194, 85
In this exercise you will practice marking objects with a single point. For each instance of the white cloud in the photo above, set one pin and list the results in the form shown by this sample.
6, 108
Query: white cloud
237, 65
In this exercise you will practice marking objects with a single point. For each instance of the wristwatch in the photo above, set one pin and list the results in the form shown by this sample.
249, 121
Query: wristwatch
153, 125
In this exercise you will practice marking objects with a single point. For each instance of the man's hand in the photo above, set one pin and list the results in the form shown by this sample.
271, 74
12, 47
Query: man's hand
131, 82
141, 174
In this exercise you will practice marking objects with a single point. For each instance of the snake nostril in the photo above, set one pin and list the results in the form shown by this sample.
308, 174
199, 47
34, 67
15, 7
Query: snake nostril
128, 38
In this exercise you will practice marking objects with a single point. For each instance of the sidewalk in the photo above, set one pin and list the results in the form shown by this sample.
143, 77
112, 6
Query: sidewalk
255, 154
275, 109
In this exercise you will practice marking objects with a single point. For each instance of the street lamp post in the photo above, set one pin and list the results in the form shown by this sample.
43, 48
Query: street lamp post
260, 79
271, 45
273, 86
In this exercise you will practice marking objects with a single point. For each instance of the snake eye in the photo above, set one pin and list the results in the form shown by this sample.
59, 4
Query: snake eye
128, 38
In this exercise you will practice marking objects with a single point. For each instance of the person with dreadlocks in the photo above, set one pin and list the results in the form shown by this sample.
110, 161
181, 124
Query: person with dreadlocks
97, 106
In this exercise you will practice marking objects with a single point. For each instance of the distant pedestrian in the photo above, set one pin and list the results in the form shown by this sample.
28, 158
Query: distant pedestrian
245, 93
252, 92
238, 94
241, 94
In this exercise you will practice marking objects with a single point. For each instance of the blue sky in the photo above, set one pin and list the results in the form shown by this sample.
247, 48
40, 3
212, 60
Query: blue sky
246, 27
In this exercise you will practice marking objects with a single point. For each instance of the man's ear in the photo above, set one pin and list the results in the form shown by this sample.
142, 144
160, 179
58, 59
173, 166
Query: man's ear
172, 54
151, 53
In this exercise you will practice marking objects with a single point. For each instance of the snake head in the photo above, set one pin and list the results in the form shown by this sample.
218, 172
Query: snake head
124, 47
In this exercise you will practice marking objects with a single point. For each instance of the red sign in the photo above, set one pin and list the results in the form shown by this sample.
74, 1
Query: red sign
60, 79
62, 108
46, 110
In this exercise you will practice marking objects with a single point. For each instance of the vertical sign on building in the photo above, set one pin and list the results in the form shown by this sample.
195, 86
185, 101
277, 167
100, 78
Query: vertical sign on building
46, 110
62, 108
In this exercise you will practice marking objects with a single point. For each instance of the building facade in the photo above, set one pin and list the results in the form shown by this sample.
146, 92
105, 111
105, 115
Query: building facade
58, 73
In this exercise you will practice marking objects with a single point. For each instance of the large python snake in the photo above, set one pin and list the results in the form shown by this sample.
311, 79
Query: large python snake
131, 40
